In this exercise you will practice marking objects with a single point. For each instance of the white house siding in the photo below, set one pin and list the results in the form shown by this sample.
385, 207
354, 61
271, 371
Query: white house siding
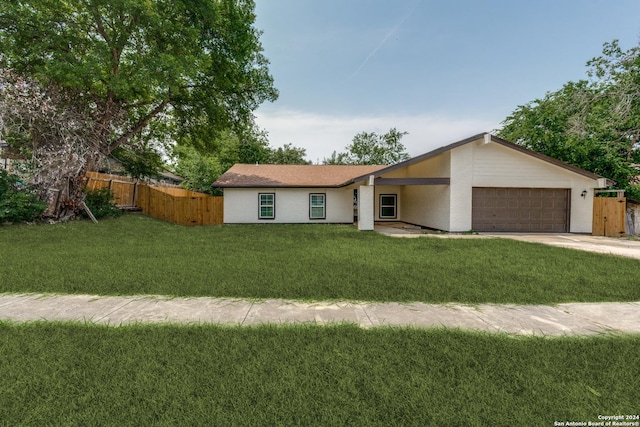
366, 207
497, 166
292, 205
434, 167
461, 188
426, 205
633, 219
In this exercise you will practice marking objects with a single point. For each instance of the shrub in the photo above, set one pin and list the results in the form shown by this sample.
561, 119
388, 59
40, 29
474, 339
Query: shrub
17, 202
100, 202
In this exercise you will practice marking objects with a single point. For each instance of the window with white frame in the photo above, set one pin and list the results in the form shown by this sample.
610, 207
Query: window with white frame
388, 206
317, 206
267, 206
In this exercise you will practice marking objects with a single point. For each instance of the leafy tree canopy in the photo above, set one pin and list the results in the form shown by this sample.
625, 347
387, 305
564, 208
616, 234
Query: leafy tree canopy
593, 124
288, 155
201, 169
130, 62
81, 79
370, 148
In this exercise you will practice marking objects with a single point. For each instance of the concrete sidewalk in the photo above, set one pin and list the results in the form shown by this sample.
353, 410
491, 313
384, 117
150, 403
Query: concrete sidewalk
562, 319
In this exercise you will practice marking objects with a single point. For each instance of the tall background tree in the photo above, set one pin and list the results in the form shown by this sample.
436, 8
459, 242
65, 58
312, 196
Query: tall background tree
593, 123
107, 72
200, 169
370, 148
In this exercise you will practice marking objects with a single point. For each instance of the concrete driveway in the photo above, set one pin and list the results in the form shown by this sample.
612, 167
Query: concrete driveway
606, 245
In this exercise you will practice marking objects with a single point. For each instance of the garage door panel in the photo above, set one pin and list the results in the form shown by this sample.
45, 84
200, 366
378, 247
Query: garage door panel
520, 209
536, 227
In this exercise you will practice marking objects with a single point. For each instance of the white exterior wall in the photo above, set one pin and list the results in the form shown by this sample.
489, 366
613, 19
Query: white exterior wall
366, 207
497, 166
426, 205
292, 205
632, 223
461, 188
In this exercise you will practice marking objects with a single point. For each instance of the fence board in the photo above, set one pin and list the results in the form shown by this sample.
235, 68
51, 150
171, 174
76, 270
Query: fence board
609, 216
170, 204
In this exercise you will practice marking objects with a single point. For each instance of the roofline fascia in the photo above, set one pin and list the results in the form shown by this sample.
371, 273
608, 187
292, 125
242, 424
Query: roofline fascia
341, 185
438, 151
279, 186
422, 157
492, 138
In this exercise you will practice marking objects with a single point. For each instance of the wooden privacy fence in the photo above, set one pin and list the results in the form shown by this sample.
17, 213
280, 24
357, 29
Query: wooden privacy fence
171, 204
180, 206
124, 189
609, 214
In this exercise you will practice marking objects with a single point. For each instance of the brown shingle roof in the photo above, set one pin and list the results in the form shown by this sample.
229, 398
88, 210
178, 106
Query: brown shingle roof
244, 176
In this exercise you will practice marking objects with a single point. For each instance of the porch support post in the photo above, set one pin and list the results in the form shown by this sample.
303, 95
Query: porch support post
365, 207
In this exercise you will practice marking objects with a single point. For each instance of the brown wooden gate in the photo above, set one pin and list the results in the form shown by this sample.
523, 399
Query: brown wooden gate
609, 216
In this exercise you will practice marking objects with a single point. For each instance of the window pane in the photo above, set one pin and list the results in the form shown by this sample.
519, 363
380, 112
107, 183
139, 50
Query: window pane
266, 212
316, 206
317, 212
387, 200
266, 207
387, 212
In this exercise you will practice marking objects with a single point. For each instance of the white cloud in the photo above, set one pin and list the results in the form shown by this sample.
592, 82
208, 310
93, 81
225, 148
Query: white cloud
322, 134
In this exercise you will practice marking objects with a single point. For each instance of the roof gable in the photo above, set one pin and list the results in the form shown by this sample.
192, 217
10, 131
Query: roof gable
492, 138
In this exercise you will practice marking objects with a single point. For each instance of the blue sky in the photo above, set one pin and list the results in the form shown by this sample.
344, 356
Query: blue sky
440, 70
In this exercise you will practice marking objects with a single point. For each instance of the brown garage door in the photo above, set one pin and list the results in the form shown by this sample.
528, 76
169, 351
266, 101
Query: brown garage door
536, 210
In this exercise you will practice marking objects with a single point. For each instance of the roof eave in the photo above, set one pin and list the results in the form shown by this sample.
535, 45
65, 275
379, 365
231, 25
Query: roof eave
495, 139
422, 157
214, 185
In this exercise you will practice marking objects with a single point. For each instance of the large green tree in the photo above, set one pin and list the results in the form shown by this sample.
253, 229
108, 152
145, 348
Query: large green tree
201, 169
122, 66
593, 123
370, 148
288, 154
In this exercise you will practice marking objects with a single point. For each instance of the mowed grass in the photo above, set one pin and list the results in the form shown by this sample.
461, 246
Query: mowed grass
135, 254
73, 374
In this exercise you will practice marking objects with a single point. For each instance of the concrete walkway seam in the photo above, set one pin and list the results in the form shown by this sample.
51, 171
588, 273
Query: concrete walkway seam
578, 319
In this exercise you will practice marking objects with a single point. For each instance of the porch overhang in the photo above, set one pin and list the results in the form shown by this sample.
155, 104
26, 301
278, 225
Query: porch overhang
412, 181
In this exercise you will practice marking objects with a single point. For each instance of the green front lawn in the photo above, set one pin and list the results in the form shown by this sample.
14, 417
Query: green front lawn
72, 374
135, 254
